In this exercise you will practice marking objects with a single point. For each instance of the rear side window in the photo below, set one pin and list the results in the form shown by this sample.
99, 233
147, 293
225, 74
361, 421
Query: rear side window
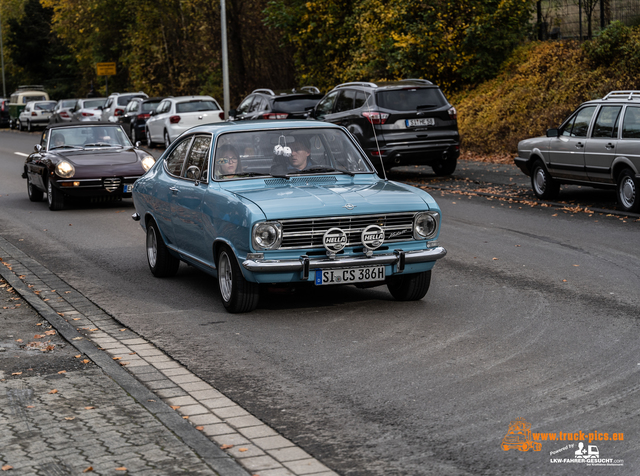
410, 99
606, 125
363, 99
345, 100
631, 124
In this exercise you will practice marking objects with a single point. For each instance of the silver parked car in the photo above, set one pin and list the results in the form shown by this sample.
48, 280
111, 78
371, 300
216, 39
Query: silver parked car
62, 111
597, 145
87, 110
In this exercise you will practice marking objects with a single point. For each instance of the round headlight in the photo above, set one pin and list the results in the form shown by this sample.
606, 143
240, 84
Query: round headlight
425, 225
65, 170
267, 235
148, 162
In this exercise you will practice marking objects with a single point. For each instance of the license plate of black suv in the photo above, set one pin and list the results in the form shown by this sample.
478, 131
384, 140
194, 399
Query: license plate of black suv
429, 121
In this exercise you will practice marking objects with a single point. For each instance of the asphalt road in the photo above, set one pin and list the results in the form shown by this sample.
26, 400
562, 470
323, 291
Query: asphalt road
533, 314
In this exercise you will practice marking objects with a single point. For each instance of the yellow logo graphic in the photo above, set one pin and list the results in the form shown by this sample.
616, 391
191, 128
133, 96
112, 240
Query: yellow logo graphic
519, 437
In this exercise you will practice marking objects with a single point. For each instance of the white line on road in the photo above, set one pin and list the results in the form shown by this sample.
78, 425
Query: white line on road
22, 154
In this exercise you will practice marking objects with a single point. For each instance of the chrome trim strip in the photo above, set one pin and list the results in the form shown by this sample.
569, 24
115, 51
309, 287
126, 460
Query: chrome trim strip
292, 265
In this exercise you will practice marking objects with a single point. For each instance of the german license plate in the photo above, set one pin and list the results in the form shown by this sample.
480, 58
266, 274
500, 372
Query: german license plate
428, 121
349, 275
128, 187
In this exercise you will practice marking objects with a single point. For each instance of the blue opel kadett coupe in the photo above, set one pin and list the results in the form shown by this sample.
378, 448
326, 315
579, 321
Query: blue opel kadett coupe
264, 202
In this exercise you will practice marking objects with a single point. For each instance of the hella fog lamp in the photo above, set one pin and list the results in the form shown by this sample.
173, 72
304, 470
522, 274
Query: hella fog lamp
267, 235
65, 170
148, 162
425, 225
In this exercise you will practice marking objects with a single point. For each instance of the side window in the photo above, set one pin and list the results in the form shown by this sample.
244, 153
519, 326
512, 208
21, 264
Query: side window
325, 106
109, 102
568, 127
362, 99
257, 104
198, 159
166, 106
345, 100
631, 123
176, 159
133, 106
245, 105
583, 119
606, 125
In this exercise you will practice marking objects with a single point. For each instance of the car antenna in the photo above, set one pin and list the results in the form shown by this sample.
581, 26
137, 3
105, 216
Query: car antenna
384, 172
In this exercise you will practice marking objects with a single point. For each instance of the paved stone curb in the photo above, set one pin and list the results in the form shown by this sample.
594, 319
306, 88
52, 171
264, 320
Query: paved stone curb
221, 432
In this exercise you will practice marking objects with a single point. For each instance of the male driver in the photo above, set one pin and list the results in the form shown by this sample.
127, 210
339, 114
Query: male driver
299, 159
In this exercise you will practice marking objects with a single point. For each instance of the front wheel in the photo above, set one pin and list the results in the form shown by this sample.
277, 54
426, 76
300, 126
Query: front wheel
149, 141
543, 185
446, 167
35, 194
628, 193
55, 198
238, 294
409, 287
161, 262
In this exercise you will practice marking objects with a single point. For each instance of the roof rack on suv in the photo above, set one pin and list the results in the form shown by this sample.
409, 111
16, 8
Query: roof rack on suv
265, 91
623, 95
365, 84
311, 89
417, 80
25, 87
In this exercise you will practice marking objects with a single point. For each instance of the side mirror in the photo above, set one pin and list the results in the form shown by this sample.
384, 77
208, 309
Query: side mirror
152, 113
311, 111
552, 133
37, 148
138, 144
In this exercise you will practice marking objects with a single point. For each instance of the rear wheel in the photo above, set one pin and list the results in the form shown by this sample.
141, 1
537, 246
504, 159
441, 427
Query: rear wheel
628, 193
446, 167
19, 125
161, 262
35, 194
409, 287
29, 128
55, 198
238, 294
543, 185
167, 140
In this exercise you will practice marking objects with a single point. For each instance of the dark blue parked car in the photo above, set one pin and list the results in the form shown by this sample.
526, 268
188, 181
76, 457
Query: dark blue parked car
262, 202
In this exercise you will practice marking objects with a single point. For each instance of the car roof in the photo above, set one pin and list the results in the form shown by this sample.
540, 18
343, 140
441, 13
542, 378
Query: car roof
382, 85
258, 125
64, 125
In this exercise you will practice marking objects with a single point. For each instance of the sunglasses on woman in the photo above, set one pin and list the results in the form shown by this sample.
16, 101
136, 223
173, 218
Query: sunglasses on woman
226, 160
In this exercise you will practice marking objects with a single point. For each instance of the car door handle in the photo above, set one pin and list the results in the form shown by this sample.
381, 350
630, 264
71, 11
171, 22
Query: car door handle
609, 146
174, 189
579, 145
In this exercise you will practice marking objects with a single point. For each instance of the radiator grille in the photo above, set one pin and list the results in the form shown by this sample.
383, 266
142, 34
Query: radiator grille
308, 232
111, 184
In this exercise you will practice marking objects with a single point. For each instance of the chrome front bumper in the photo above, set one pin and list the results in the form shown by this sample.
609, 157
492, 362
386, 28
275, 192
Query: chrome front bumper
304, 264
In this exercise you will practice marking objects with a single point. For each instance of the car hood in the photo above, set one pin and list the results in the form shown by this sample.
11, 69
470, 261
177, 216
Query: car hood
101, 157
293, 200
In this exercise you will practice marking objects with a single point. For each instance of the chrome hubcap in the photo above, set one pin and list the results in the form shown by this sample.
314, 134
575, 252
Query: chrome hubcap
49, 192
627, 192
152, 247
540, 181
225, 276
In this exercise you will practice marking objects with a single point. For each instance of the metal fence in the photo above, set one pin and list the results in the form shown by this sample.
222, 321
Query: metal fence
581, 19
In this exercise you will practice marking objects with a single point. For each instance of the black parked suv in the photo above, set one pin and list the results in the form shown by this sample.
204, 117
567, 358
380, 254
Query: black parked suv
266, 104
407, 122
135, 117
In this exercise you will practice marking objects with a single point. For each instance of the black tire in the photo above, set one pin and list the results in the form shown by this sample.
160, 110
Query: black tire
161, 262
238, 294
55, 197
132, 133
149, 141
446, 167
167, 140
628, 191
543, 185
409, 287
35, 194
29, 129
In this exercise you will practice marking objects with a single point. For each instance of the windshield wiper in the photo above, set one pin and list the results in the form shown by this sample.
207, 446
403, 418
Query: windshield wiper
102, 144
319, 168
245, 174
65, 147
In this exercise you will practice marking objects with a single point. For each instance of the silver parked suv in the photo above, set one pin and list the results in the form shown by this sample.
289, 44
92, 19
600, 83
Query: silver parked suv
597, 145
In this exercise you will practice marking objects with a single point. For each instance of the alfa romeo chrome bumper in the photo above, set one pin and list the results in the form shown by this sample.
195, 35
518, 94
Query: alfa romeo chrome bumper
304, 264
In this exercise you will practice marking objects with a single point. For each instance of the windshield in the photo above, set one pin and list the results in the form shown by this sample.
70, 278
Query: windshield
94, 103
410, 99
195, 106
286, 153
149, 106
44, 106
295, 104
88, 137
